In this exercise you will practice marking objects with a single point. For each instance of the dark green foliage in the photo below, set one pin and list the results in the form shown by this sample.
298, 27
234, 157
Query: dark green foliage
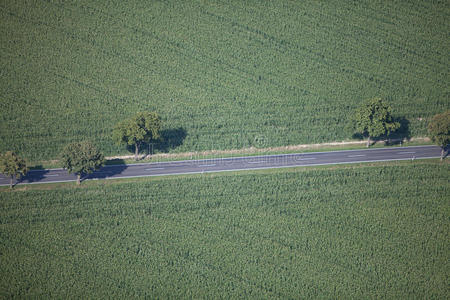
439, 130
351, 233
81, 158
12, 166
227, 72
141, 128
374, 119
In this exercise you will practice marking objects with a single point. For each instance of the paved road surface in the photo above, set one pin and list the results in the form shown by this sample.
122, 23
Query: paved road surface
235, 163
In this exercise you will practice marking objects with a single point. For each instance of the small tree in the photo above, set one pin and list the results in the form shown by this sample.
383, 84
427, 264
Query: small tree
13, 166
143, 127
373, 119
439, 131
81, 158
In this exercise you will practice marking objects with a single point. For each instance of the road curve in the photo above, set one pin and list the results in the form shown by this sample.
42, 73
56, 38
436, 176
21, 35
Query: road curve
234, 164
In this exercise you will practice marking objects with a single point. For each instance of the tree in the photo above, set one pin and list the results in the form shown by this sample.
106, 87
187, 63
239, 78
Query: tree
81, 158
13, 166
143, 127
439, 130
373, 119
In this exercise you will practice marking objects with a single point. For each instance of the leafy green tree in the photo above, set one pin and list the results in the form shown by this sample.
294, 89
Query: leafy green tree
373, 119
439, 131
81, 158
13, 166
141, 128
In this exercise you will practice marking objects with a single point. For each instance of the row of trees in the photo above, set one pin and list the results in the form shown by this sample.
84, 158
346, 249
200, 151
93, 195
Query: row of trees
372, 119
83, 157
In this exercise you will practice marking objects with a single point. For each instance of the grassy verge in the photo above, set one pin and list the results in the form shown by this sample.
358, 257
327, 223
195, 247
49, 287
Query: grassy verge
241, 152
93, 183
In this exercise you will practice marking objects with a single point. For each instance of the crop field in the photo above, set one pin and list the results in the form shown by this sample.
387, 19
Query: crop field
222, 74
335, 233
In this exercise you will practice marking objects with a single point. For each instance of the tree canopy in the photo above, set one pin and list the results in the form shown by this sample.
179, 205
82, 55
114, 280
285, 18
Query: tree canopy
141, 128
81, 158
12, 166
439, 130
374, 119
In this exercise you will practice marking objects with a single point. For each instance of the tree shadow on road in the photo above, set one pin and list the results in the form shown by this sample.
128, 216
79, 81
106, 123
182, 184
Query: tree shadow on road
114, 167
35, 175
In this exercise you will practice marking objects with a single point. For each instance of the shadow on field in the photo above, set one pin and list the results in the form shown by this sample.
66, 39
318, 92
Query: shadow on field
446, 151
171, 138
37, 174
403, 133
114, 167
395, 138
131, 148
358, 136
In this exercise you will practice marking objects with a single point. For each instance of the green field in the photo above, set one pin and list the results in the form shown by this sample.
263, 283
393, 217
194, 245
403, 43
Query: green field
360, 232
222, 74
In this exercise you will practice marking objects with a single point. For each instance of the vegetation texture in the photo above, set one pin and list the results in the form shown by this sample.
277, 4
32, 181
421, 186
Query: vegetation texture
221, 74
81, 158
350, 233
439, 130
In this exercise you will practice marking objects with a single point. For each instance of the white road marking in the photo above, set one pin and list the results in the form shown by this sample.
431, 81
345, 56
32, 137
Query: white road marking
255, 162
152, 169
50, 175
210, 165
406, 152
306, 158
231, 170
233, 158
356, 155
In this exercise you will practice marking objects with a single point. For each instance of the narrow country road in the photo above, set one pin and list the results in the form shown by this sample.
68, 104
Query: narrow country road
235, 164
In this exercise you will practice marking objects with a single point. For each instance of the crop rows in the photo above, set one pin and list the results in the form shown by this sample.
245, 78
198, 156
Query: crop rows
224, 72
360, 232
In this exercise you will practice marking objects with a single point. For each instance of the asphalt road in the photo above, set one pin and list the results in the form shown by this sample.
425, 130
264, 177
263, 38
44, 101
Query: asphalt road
234, 164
